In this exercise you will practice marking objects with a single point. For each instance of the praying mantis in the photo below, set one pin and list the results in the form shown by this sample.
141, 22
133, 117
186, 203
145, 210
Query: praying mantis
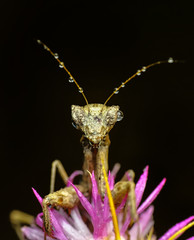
95, 121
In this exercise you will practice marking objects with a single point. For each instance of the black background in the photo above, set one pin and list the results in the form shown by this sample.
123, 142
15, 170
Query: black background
102, 44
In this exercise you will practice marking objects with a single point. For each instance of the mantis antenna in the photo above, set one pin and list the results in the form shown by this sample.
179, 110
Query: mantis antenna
143, 69
61, 65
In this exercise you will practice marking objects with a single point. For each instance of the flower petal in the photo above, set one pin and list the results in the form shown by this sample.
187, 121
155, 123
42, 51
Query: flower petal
39, 220
140, 186
33, 233
73, 175
176, 228
111, 180
85, 203
79, 224
56, 220
146, 221
94, 188
151, 197
115, 169
120, 207
37, 196
142, 227
106, 209
126, 224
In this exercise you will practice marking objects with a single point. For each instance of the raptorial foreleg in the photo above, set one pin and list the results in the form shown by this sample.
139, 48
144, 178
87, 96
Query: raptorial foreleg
66, 198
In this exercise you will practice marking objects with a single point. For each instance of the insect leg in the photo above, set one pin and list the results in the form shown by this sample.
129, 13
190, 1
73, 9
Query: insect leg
17, 219
131, 199
57, 165
120, 190
66, 198
128, 176
131, 203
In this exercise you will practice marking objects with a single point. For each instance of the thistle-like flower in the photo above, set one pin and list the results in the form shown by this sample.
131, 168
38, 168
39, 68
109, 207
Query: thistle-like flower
95, 219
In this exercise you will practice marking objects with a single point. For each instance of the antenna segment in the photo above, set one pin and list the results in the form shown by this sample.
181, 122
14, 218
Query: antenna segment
61, 65
143, 69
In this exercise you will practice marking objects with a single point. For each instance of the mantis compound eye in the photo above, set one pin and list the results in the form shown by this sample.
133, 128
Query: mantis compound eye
120, 116
75, 125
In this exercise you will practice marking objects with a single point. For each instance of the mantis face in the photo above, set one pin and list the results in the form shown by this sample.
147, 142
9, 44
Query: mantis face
95, 120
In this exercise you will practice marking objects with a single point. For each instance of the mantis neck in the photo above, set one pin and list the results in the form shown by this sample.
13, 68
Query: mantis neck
93, 157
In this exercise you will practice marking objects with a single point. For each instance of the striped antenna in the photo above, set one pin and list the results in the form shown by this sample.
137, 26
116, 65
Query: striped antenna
143, 69
61, 65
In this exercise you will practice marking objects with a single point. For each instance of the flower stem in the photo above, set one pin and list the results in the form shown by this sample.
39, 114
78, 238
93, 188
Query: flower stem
111, 203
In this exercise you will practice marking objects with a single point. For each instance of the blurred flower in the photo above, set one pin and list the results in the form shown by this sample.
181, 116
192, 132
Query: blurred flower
76, 225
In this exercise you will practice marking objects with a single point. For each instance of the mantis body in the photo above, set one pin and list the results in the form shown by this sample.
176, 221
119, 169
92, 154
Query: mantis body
95, 121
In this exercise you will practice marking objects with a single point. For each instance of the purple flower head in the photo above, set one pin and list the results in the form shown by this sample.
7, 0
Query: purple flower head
93, 221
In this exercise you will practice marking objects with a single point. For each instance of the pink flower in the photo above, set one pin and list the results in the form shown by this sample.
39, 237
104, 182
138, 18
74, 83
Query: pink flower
73, 227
